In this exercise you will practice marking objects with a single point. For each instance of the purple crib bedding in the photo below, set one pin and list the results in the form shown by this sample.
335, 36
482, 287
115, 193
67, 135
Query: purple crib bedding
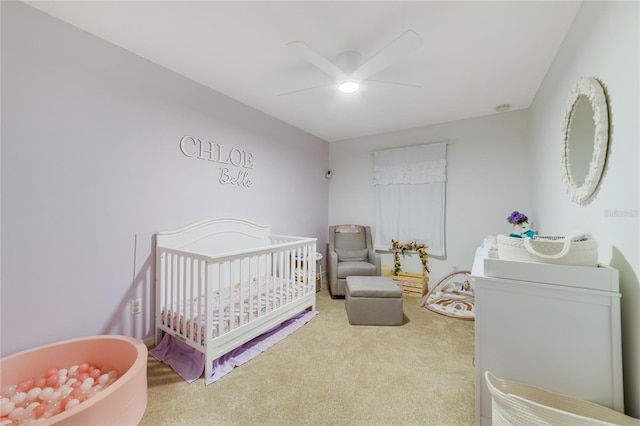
189, 362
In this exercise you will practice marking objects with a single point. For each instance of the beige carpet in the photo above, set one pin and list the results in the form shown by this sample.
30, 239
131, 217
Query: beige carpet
328, 372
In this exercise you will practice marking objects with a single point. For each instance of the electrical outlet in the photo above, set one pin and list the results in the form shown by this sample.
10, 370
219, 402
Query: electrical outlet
136, 306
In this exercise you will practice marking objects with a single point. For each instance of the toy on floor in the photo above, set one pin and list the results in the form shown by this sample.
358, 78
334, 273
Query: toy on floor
452, 296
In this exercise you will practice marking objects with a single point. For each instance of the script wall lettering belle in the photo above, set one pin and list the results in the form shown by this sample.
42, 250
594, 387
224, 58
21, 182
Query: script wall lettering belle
235, 163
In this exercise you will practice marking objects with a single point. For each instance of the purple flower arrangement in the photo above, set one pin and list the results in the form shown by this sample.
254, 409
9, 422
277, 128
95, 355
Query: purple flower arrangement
517, 218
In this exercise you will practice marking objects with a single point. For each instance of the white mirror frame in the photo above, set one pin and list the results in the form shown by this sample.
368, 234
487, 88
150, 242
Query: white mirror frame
594, 91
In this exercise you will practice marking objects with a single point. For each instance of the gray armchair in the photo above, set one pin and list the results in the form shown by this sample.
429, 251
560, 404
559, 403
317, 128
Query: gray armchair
350, 254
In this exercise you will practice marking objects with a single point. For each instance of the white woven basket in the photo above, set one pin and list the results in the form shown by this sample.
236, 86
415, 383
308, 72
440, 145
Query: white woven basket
582, 251
518, 404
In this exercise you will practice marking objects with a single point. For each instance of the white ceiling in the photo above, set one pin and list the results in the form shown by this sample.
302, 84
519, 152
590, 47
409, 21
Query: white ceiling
476, 55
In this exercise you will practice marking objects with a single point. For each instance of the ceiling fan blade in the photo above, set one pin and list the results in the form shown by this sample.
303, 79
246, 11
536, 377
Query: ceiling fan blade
316, 59
394, 82
389, 55
304, 90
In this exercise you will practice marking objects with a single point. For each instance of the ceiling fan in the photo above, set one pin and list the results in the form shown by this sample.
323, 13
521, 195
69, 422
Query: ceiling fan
348, 69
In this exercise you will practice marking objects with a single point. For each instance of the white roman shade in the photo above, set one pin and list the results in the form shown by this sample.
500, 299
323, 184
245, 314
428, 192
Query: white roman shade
410, 186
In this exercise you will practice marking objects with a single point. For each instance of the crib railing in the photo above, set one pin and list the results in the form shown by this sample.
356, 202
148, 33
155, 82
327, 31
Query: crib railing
238, 287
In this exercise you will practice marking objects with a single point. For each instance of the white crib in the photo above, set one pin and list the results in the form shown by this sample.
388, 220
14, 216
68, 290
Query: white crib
224, 281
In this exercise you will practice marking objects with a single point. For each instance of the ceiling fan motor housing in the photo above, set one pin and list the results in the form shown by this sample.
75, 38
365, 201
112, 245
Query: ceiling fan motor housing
348, 61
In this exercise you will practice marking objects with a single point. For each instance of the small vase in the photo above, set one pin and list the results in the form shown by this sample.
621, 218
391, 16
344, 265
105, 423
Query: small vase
517, 231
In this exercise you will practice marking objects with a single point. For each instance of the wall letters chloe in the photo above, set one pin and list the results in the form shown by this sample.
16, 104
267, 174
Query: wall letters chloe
237, 162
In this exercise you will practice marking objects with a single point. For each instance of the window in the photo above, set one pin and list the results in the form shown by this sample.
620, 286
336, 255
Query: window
410, 186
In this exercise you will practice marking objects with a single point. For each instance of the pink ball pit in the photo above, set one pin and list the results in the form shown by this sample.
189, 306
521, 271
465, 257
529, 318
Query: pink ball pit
122, 403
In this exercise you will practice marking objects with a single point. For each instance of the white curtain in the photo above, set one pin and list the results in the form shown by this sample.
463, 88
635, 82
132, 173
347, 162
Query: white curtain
410, 196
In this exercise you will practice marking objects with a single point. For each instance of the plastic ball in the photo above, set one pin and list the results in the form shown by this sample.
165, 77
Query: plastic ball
52, 380
54, 408
32, 406
56, 396
62, 380
33, 393
40, 382
51, 372
71, 403
9, 391
27, 417
40, 410
65, 390
103, 379
16, 414
73, 370
46, 394
83, 367
95, 373
65, 400
95, 391
6, 406
19, 398
26, 385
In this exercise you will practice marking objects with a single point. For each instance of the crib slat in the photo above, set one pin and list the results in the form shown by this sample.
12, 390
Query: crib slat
221, 281
173, 300
167, 280
193, 274
207, 288
254, 289
202, 281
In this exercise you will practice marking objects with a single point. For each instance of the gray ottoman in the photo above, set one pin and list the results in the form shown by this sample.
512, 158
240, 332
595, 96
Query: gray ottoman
373, 301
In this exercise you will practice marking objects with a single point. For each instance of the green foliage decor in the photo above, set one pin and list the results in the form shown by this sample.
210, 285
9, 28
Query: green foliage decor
401, 248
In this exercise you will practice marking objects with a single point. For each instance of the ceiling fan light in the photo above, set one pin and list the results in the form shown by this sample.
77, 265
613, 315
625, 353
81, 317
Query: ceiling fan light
349, 86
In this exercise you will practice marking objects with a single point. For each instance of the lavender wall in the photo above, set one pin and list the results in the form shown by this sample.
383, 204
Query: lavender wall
92, 168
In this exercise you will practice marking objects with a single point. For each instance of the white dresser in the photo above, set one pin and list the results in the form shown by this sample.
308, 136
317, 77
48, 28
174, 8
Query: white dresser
552, 326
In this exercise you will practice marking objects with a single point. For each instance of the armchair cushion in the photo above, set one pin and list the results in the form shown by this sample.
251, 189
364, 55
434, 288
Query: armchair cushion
350, 241
347, 269
352, 255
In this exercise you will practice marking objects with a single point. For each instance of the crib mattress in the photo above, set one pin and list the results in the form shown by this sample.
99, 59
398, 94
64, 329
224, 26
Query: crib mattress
249, 300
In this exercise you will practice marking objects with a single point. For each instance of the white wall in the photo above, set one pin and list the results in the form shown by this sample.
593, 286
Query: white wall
602, 43
487, 178
91, 169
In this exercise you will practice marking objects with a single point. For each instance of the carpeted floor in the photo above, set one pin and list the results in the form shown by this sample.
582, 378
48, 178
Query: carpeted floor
329, 372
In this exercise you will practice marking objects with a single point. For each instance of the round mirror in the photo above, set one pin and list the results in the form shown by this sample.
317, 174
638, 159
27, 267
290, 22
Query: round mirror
584, 140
